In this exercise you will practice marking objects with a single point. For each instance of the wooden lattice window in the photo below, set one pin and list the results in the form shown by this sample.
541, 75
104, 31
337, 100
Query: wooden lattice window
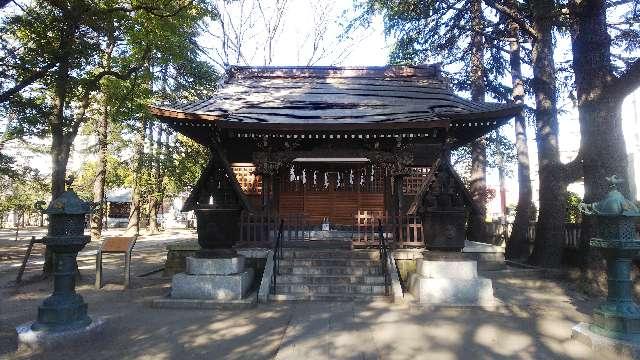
250, 183
411, 183
374, 178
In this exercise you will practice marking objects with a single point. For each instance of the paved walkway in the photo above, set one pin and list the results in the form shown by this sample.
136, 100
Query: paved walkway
535, 323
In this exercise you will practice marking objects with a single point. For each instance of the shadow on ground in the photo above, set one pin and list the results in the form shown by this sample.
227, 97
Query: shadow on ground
534, 323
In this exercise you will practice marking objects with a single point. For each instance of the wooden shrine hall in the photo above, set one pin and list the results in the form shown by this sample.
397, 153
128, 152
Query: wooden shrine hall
341, 146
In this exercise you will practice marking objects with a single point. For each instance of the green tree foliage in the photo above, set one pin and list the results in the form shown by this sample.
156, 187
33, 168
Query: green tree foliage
186, 163
573, 214
118, 176
19, 194
441, 32
57, 48
53, 68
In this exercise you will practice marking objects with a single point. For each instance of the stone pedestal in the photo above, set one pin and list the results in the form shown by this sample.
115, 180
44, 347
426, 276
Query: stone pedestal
43, 339
450, 282
605, 347
177, 254
222, 279
489, 257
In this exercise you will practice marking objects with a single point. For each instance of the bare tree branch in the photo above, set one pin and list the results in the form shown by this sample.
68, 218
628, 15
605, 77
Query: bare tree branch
629, 81
153, 10
573, 170
513, 15
39, 74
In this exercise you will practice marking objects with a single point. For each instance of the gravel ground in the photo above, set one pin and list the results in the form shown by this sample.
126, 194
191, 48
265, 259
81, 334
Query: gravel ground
534, 323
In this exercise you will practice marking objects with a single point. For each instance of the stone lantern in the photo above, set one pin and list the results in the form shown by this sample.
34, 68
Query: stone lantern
443, 213
618, 317
64, 309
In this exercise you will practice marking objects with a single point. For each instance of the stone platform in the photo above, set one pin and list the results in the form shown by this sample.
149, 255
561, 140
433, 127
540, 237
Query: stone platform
489, 257
605, 347
223, 278
450, 283
249, 301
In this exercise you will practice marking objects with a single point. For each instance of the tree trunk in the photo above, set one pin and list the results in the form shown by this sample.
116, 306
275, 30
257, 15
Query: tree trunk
518, 244
56, 125
58, 158
101, 171
599, 110
602, 142
154, 199
478, 186
102, 130
134, 214
548, 245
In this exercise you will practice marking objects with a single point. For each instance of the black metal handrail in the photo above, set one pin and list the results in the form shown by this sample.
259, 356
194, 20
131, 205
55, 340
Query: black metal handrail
382, 246
277, 255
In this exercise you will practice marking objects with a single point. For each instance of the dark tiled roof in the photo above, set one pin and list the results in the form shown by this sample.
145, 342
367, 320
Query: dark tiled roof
390, 96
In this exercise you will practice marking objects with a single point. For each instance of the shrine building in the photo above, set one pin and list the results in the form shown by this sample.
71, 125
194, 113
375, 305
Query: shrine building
343, 149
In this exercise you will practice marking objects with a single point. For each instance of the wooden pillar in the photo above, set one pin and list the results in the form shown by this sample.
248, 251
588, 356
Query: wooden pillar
398, 198
267, 183
275, 191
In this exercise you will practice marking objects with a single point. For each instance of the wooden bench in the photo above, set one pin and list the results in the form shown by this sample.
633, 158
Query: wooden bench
116, 245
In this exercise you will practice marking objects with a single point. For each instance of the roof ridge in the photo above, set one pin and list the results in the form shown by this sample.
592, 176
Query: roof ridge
427, 71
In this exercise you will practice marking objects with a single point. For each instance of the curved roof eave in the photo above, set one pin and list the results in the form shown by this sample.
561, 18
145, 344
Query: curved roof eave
444, 120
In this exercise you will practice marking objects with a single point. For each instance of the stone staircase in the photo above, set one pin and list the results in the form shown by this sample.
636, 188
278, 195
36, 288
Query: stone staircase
329, 274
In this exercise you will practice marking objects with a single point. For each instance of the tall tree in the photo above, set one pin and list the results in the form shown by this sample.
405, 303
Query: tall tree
518, 244
478, 176
133, 226
599, 97
102, 129
537, 20
55, 49
155, 197
549, 231
456, 33
601, 86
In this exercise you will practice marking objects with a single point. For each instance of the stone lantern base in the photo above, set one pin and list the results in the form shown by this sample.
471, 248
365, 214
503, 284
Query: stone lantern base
43, 339
450, 282
605, 347
220, 282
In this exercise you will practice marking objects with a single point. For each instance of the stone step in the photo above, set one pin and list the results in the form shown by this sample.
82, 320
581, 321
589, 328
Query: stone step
329, 297
329, 262
289, 288
328, 270
332, 279
330, 254
318, 244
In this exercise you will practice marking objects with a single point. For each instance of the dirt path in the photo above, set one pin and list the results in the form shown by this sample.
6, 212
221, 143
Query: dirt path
535, 322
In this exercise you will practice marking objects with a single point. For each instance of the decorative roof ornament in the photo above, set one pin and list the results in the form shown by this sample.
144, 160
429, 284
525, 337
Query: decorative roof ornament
614, 204
68, 203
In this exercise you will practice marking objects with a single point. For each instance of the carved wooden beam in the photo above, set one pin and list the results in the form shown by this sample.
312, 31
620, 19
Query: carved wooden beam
424, 187
192, 200
442, 164
220, 156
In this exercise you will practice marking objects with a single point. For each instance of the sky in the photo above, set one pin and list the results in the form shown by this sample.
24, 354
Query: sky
302, 22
